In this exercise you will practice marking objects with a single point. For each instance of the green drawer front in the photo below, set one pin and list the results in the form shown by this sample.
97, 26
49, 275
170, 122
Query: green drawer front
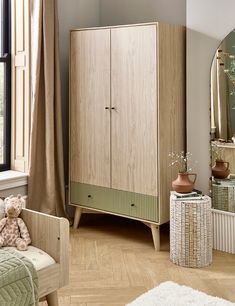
116, 201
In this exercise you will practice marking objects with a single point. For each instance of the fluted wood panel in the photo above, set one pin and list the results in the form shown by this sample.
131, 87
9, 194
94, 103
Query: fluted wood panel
223, 231
134, 120
90, 95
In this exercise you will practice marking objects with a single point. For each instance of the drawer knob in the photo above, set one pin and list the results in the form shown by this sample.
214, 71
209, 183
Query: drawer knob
89, 196
132, 205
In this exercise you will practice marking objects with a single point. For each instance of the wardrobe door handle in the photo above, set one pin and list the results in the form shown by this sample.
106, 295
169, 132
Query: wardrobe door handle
106, 107
113, 108
132, 205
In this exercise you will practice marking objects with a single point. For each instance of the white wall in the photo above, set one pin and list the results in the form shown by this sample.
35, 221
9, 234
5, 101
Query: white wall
208, 22
72, 14
114, 12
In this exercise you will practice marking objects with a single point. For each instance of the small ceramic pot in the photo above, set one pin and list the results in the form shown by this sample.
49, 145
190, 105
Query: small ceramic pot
183, 184
220, 169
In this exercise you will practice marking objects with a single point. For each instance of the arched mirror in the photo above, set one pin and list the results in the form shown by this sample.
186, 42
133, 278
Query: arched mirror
223, 125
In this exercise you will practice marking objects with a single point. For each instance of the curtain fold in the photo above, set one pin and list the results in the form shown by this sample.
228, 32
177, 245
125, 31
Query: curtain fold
46, 190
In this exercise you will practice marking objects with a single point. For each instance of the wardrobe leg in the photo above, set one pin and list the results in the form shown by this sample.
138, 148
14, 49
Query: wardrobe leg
52, 299
77, 217
156, 236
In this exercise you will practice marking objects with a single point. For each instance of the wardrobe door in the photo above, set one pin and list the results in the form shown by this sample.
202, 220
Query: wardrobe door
90, 107
134, 117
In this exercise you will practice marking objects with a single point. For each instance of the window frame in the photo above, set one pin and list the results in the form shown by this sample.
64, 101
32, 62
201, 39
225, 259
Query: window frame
6, 58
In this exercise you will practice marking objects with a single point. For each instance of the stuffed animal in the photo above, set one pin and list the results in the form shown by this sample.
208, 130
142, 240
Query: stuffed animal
13, 231
2, 209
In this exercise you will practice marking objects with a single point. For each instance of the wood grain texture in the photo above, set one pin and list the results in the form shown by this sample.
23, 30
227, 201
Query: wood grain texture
155, 229
51, 234
156, 236
143, 24
171, 107
77, 217
112, 262
148, 120
48, 280
89, 96
134, 120
52, 299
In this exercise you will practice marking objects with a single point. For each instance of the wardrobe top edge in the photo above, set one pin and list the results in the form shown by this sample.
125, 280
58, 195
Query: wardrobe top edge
125, 25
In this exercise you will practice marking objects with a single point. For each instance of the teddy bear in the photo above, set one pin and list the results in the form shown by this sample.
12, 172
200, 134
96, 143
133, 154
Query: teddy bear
13, 231
2, 209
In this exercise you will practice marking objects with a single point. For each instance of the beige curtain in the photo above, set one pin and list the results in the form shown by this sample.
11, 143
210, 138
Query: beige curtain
46, 172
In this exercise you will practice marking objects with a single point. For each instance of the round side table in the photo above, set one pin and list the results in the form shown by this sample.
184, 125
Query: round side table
191, 231
223, 195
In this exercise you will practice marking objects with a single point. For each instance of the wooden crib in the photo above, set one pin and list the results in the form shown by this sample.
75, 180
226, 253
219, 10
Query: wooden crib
51, 234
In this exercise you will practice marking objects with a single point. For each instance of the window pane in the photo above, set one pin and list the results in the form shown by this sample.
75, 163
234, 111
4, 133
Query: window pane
2, 112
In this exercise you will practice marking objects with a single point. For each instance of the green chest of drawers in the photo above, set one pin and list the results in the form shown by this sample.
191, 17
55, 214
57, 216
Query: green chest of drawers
125, 203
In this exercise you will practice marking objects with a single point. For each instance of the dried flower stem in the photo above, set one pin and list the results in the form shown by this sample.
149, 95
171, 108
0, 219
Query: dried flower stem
182, 161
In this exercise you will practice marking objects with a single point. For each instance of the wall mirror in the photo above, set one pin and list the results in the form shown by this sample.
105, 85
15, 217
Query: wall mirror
223, 125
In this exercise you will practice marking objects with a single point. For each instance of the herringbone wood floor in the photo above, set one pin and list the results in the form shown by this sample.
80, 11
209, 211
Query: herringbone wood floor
113, 261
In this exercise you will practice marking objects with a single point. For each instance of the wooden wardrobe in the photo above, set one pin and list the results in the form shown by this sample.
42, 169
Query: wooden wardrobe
127, 113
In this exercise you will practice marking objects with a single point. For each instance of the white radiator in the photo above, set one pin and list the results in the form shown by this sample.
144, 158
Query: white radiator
223, 231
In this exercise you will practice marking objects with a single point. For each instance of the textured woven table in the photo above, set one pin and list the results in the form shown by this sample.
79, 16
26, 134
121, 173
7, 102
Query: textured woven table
223, 195
191, 231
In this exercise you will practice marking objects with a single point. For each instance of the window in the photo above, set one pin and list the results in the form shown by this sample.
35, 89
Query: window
5, 85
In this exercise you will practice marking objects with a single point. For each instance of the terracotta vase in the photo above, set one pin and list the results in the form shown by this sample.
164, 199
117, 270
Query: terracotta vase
220, 169
183, 184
